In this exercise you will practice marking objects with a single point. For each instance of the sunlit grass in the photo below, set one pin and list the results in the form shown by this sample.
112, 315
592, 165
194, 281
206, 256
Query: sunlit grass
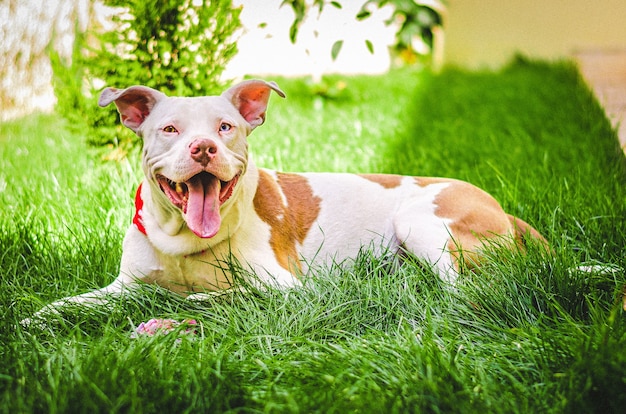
526, 334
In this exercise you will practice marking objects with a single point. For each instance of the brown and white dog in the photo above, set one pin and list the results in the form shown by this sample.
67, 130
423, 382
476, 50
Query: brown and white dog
204, 202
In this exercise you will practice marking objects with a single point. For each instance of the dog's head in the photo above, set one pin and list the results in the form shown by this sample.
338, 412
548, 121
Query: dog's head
194, 149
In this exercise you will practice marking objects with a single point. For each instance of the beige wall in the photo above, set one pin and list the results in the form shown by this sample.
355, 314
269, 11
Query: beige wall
488, 32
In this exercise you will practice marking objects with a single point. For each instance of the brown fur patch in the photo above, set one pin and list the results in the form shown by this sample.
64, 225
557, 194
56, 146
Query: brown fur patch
426, 181
289, 223
523, 231
475, 217
385, 180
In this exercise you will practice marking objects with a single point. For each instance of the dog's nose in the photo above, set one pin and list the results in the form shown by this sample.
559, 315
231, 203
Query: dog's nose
203, 150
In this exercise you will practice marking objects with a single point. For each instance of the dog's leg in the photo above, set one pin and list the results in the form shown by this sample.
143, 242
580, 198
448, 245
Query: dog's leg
97, 297
137, 265
429, 240
278, 278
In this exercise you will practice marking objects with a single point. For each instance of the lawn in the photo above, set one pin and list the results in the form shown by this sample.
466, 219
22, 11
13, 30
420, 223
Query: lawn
524, 334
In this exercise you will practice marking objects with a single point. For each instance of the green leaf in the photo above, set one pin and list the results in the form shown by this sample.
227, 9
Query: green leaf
363, 14
370, 46
293, 32
336, 49
336, 4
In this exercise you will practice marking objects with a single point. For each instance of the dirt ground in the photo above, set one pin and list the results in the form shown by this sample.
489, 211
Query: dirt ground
605, 71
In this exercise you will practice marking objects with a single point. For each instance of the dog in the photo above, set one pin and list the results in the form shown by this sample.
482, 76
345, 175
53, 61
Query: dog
203, 203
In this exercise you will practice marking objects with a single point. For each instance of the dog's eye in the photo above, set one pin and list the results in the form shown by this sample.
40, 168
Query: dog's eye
170, 129
225, 127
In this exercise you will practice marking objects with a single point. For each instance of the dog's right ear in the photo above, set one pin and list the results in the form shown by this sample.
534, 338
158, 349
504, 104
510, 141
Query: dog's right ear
134, 104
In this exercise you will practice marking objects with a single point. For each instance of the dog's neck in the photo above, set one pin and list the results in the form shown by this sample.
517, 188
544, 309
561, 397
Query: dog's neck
166, 229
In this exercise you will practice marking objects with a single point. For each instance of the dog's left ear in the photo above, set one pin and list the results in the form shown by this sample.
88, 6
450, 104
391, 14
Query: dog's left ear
134, 104
250, 98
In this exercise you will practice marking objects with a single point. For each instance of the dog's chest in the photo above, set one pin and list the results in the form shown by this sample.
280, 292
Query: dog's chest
197, 272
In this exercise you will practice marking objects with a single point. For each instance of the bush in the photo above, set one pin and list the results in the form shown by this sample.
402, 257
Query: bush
414, 20
178, 47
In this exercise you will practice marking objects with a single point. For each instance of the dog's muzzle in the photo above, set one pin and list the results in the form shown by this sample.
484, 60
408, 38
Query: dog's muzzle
199, 199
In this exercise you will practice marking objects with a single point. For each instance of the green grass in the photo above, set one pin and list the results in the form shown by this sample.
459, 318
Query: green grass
523, 335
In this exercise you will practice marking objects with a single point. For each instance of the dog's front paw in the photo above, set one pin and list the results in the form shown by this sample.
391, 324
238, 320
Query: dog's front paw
41, 319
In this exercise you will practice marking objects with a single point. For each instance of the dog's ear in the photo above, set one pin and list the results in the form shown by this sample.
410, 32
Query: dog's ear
134, 104
250, 98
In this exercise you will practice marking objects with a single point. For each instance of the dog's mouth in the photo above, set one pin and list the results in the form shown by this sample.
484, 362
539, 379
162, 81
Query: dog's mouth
200, 199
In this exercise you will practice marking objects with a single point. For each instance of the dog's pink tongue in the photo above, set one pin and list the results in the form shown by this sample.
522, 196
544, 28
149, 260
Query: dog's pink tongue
203, 206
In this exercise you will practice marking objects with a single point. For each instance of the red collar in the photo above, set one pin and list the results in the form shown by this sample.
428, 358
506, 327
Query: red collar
138, 218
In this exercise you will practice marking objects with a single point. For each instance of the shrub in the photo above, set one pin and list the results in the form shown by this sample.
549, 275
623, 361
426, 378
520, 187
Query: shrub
178, 47
414, 20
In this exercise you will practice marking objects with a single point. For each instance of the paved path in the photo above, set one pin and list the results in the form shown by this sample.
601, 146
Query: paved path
605, 71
